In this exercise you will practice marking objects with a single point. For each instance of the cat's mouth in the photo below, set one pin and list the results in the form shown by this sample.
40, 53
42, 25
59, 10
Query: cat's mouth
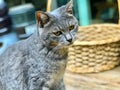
65, 44
70, 44
62, 44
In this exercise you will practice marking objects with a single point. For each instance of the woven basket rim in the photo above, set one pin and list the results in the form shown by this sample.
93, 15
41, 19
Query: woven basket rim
93, 42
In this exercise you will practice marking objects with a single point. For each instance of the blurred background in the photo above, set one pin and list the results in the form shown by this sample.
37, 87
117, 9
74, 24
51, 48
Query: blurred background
17, 17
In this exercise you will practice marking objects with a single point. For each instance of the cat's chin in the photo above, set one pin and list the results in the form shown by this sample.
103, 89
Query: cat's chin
70, 44
66, 44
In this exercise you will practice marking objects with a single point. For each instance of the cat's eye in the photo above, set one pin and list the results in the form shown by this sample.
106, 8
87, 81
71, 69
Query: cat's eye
58, 33
71, 27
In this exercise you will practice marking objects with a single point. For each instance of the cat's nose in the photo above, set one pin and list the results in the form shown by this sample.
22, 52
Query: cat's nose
69, 40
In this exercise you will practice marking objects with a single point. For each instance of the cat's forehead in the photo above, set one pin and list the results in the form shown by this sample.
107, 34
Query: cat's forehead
59, 13
59, 18
62, 21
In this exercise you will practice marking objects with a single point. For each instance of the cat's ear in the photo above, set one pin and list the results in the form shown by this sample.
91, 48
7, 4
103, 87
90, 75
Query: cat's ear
42, 18
69, 6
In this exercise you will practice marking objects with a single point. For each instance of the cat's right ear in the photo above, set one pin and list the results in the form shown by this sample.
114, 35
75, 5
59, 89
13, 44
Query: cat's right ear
42, 18
69, 7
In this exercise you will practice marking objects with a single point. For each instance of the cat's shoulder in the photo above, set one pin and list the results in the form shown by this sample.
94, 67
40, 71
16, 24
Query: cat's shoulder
14, 49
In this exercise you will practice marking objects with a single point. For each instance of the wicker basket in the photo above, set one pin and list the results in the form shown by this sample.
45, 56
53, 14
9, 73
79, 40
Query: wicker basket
96, 49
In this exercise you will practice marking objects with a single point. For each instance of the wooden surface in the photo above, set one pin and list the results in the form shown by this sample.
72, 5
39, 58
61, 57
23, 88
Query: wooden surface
108, 80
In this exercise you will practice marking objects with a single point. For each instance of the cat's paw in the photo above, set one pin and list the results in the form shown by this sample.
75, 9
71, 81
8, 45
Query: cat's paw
45, 88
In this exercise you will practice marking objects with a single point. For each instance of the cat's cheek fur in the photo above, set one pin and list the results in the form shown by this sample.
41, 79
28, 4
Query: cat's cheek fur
74, 34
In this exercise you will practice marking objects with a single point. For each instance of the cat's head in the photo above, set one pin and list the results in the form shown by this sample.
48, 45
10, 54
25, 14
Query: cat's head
58, 27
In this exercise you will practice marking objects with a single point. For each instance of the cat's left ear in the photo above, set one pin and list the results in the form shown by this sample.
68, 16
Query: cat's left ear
69, 6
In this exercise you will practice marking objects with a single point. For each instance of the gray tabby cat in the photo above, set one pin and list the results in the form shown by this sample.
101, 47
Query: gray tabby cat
39, 62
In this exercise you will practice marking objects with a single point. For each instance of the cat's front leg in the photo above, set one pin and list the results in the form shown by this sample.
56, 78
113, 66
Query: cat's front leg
59, 86
38, 84
45, 88
47, 85
40, 88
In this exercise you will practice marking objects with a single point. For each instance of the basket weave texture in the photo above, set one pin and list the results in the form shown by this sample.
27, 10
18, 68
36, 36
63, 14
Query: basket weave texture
96, 49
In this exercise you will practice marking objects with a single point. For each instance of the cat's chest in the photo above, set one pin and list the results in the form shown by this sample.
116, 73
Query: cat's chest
48, 61
50, 65
54, 70
46, 64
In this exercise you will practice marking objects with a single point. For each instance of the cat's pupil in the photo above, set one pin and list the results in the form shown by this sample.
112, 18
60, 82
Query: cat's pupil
71, 27
58, 33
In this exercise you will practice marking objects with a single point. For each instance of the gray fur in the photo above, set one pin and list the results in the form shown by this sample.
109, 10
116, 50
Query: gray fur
39, 62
